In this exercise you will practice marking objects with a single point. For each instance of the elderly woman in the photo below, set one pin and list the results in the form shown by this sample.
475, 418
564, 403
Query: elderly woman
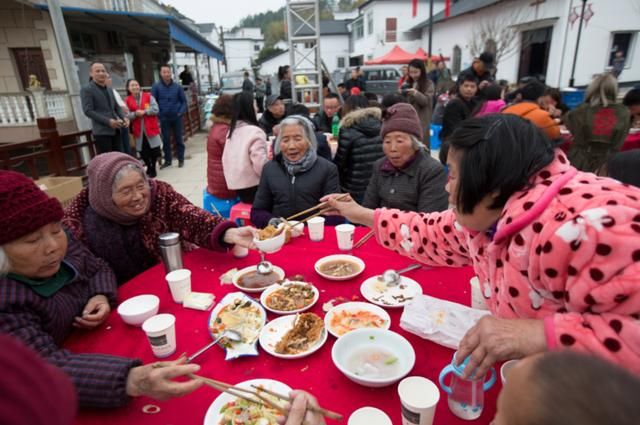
296, 178
49, 283
556, 250
407, 178
121, 214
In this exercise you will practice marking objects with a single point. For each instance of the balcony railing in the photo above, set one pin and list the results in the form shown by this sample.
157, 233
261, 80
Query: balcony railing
21, 109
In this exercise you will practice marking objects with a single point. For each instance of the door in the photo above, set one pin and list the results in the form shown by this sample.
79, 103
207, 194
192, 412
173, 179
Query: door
391, 28
534, 53
30, 61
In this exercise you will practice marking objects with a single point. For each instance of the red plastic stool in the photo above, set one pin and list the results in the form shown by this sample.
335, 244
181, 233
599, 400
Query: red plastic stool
241, 214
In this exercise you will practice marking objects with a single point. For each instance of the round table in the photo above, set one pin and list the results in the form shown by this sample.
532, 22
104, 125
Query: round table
315, 373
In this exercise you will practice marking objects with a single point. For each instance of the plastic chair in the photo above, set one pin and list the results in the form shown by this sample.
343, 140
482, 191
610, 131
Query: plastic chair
241, 214
435, 136
216, 205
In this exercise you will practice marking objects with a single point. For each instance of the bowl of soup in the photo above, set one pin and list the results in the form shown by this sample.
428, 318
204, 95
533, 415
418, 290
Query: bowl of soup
249, 280
339, 267
373, 357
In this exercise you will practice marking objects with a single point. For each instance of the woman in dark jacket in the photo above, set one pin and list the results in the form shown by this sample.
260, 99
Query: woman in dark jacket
420, 92
221, 117
359, 145
296, 178
464, 105
284, 76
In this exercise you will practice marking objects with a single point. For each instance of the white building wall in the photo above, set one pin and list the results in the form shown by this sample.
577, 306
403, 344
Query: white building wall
188, 59
332, 47
239, 53
270, 67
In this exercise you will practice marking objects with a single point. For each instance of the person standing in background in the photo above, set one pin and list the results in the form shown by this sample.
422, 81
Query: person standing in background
185, 76
173, 104
404, 76
247, 84
261, 91
618, 64
284, 76
356, 80
124, 133
323, 121
420, 93
99, 105
145, 126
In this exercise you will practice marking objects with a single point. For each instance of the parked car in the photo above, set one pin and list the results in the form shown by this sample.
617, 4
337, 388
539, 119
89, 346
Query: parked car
379, 79
231, 82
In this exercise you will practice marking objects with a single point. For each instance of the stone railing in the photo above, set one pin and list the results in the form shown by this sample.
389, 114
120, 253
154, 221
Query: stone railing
23, 109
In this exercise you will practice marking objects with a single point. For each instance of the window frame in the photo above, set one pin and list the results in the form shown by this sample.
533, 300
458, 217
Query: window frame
628, 58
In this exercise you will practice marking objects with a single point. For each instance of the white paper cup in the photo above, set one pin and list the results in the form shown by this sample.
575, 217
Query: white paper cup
297, 228
316, 228
161, 332
419, 397
179, 283
344, 233
369, 416
506, 367
240, 251
477, 299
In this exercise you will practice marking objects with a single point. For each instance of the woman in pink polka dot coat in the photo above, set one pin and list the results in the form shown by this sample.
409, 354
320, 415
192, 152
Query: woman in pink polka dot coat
557, 251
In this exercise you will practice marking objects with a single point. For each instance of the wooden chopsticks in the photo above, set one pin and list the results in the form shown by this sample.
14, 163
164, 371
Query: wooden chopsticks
364, 239
264, 401
321, 206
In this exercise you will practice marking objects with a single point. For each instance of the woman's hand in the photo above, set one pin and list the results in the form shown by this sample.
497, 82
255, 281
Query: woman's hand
298, 414
242, 236
95, 312
492, 340
411, 92
155, 380
140, 112
348, 208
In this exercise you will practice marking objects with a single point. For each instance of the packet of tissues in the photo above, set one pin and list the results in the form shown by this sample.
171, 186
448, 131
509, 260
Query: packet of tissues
440, 321
198, 301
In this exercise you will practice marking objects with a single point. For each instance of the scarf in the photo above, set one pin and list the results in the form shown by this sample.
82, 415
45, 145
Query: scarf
48, 287
303, 164
388, 167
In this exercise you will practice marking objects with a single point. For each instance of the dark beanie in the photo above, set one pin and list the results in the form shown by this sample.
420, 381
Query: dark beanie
401, 117
24, 208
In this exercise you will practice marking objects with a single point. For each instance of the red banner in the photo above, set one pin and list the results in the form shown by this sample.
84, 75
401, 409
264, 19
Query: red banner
414, 10
447, 8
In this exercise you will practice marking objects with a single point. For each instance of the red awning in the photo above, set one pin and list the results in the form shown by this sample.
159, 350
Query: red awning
421, 54
398, 55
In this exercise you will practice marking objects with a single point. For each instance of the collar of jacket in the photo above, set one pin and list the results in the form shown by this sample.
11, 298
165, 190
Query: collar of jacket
410, 168
359, 115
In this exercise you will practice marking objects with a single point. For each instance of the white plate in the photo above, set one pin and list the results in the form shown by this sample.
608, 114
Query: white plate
239, 273
273, 332
238, 349
353, 307
213, 413
343, 257
273, 288
377, 292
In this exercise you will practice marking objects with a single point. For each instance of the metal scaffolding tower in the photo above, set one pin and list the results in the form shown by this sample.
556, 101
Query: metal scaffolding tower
303, 28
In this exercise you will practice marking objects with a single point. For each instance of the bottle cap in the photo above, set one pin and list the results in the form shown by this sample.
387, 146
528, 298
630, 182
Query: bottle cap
167, 239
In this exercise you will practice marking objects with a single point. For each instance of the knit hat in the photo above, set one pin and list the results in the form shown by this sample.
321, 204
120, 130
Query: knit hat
102, 171
401, 117
24, 208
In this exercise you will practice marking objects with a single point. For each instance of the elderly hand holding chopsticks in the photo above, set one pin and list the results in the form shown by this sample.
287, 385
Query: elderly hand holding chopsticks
344, 205
298, 412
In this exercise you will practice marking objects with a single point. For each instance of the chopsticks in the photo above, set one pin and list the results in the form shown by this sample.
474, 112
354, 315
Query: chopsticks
364, 239
321, 206
264, 401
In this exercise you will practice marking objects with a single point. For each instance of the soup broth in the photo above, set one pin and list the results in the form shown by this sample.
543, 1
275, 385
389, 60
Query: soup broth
254, 280
374, 363
339, 268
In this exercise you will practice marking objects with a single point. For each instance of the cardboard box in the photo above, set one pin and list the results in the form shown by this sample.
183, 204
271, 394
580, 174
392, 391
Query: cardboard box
64, 189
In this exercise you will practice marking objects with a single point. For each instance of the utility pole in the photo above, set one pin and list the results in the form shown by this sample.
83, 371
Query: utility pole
430, 35
575, 54
68, 64
224, 51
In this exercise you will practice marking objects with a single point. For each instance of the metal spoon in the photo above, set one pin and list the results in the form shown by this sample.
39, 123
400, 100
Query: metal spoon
264, 267
229, 334
392, 277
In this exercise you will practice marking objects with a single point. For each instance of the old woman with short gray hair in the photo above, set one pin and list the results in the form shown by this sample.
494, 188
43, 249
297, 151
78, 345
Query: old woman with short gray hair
122, 212
407, 178
296, 178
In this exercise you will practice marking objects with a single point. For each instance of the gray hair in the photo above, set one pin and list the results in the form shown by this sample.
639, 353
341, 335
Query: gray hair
125, 170
308, 131
602, 91
5, 266
415, 143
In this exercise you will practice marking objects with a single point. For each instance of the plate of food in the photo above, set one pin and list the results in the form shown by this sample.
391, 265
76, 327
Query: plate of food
249, 280
293, 336
339, 267
289, 297
347, 317
377, 291
238, 312
228, 409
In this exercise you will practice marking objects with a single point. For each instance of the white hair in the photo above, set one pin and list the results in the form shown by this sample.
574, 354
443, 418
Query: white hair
307, 131
5, 267
125, 170
415, 143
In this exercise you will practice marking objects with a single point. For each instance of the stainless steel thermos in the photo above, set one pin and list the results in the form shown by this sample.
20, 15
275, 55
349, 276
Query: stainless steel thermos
171, 251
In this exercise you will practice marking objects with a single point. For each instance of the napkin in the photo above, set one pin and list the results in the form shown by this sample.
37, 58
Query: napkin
198, 301
440, 321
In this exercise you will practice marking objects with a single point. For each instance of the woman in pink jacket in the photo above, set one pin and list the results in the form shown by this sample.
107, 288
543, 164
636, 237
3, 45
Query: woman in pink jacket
557, 251
245, 151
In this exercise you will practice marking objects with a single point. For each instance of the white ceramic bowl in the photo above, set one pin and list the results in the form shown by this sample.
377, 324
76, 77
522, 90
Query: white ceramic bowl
297, 228
270, 245
342, 257
236, 277
136, 310
359, 339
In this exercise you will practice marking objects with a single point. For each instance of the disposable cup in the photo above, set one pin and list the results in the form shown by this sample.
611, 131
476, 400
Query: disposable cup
506, 368
369, 416
316, 228
344, 233
477, 299
419, 397
240, 251
161, 332
179, 283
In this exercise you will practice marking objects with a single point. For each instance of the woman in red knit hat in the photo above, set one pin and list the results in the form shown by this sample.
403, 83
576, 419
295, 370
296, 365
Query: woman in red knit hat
50, 283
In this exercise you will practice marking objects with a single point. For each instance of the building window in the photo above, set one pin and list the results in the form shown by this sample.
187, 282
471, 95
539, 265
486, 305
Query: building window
391, 30
82, 43
621, 42
309, 45
341, 62
358, 29
456, 60
256, 47
370, 23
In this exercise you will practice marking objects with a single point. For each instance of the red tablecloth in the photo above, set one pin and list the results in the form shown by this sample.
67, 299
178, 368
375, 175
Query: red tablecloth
315, 373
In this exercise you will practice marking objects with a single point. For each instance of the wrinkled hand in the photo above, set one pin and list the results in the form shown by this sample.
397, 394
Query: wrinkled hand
492, 340
114, 123
140, 112
242, 236
348, 208
297, 413
126, 123
95, 312
155, 380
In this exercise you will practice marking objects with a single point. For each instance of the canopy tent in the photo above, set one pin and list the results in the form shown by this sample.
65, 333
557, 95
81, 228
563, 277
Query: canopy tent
435, 58
398, 55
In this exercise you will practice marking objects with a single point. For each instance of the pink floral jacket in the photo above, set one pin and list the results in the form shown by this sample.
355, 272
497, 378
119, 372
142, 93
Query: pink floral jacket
566, 251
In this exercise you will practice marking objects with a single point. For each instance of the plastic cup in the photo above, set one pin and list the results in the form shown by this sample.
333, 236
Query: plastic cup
344, 233
369, 416
506, 367
240, 251
316, 228
419, 397
179, 283
477, 299
161, 332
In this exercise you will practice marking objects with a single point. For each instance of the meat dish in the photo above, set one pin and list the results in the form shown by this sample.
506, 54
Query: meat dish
306, 331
